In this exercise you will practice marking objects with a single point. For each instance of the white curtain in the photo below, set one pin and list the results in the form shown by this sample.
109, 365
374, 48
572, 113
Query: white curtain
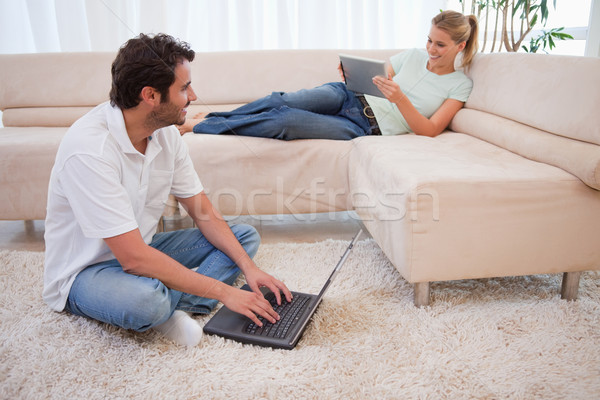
29, 26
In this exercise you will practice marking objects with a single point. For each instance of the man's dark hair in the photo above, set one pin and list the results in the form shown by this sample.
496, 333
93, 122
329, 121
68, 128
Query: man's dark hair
146, 61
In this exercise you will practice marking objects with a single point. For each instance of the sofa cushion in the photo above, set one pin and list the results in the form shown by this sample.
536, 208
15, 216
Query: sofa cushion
244, 76
43, 116
456, 207
221, 80
536, 90
241, 175
26, 159
55, 79
580, 158
248, 175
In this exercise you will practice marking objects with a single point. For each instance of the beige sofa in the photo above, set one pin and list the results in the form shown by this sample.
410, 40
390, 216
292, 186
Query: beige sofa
511, 189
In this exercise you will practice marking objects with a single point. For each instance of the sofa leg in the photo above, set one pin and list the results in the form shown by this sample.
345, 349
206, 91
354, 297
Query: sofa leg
570, 285
29, 225
421, 294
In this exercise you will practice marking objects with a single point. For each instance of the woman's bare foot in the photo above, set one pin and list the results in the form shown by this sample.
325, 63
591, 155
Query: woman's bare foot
188, 125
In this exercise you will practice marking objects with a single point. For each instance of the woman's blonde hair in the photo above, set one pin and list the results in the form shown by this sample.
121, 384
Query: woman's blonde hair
461, 28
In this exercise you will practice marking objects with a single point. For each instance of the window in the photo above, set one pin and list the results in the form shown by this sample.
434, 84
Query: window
573, 15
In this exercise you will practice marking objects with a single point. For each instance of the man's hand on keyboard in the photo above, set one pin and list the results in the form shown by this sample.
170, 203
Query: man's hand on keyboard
250, 304
257, 278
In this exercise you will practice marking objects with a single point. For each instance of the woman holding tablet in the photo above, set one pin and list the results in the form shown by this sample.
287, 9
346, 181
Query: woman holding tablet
423, 92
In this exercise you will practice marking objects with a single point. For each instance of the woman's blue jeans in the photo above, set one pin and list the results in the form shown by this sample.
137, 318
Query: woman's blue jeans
330, 111
106, 293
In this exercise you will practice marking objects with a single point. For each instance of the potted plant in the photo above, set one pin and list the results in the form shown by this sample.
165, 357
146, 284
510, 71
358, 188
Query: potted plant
516, 19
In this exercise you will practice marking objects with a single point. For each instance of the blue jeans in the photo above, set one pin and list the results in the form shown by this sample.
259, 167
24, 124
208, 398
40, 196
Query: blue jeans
106, 293
330, 111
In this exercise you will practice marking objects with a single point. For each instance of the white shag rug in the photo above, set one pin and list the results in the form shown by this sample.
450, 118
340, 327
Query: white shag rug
480, 339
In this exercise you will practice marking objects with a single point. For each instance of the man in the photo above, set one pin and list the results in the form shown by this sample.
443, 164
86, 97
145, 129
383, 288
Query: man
114, 171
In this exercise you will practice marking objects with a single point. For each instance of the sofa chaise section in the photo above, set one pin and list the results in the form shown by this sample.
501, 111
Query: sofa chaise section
511, 190
455, 207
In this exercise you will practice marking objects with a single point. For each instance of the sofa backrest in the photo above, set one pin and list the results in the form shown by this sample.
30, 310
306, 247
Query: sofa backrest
557, 94
540, 106
54, 89
240, 77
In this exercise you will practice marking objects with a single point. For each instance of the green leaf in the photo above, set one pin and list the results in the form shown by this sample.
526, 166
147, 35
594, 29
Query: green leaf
518, 7
533, 21
544, 10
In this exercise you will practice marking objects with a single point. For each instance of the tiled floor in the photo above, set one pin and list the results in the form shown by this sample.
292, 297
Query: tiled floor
29, 235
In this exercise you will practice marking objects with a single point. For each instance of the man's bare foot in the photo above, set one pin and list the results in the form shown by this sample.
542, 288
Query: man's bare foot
188, 125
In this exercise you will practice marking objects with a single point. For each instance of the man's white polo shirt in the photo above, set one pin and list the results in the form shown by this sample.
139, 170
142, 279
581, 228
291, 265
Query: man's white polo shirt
101, 187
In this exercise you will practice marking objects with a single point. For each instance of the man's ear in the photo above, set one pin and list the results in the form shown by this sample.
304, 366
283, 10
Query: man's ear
150, 96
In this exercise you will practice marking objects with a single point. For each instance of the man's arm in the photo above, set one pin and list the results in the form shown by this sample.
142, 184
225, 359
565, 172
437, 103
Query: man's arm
216, 231
137, 258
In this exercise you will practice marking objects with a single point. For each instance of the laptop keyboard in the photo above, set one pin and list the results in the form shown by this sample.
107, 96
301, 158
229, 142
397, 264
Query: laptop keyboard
289, 314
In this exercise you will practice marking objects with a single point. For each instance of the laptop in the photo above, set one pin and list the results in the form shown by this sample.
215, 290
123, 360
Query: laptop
294, 316
359, 72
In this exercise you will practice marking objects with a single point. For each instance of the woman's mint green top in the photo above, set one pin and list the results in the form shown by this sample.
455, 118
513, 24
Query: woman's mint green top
425, 90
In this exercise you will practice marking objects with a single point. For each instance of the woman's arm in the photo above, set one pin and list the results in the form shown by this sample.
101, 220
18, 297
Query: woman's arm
418, 123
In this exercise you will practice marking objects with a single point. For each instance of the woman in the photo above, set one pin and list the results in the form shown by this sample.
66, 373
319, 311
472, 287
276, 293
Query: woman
423, 92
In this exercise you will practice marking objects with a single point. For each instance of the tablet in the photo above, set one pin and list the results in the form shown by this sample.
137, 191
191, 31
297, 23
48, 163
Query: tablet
359, 72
